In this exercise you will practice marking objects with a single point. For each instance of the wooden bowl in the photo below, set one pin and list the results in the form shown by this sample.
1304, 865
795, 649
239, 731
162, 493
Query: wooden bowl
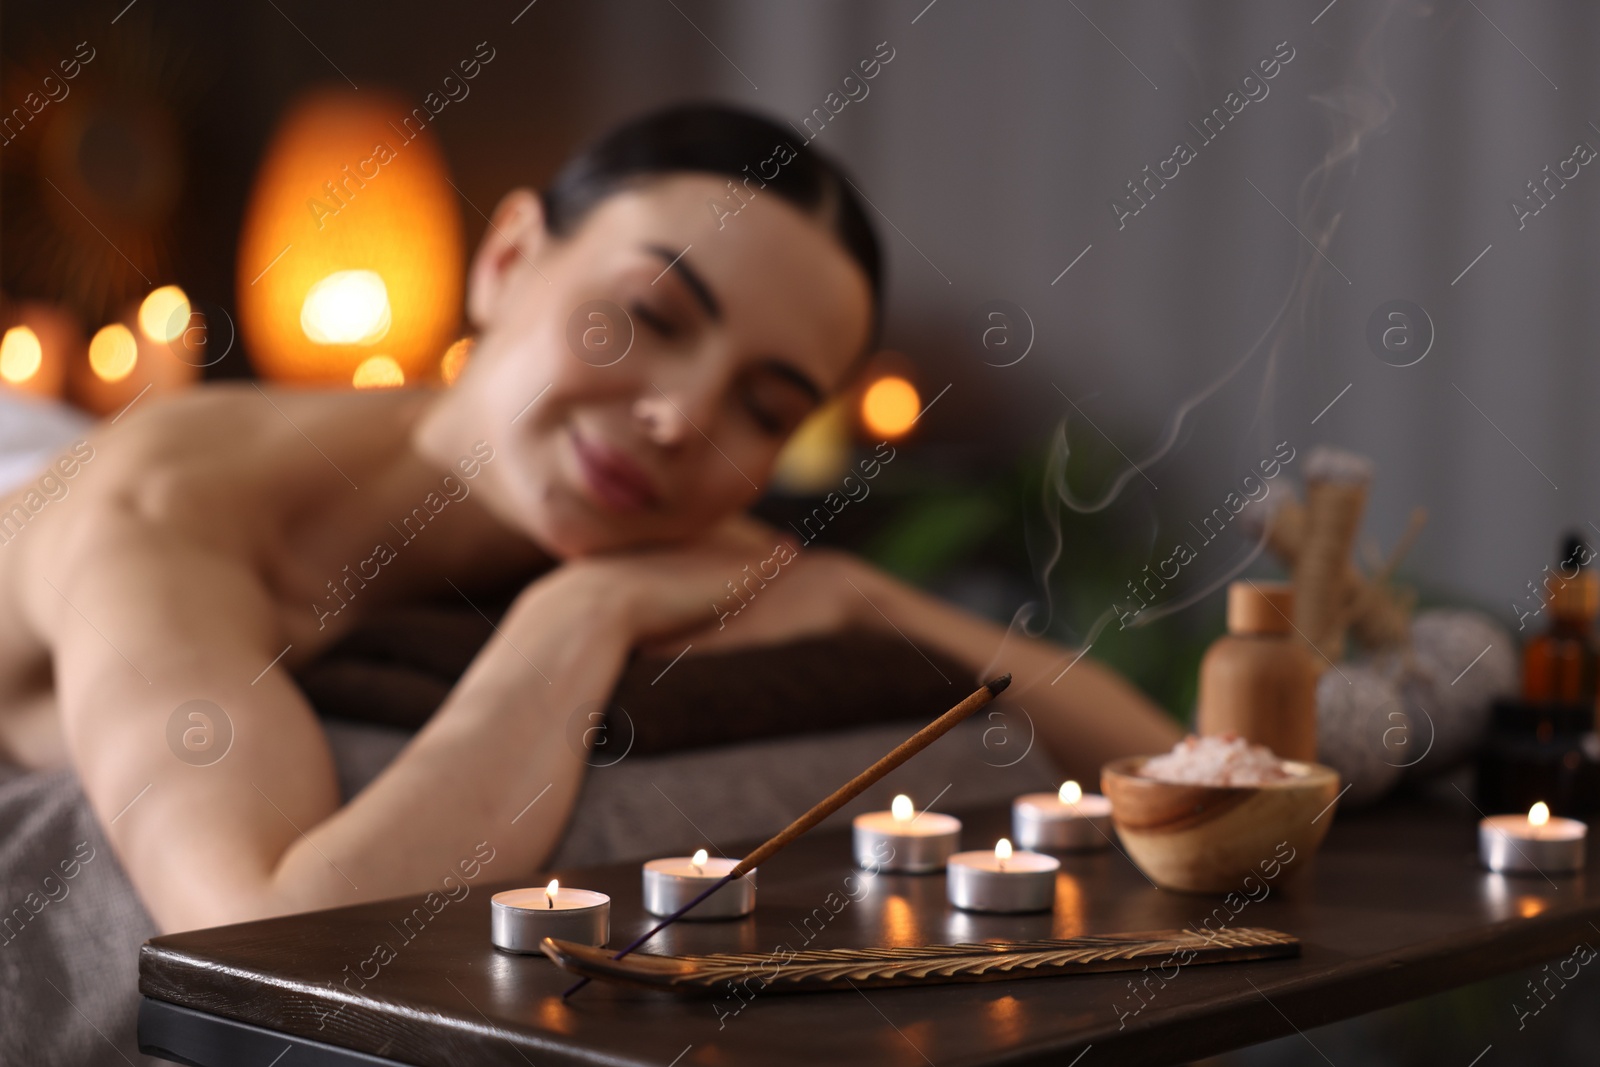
1209, 839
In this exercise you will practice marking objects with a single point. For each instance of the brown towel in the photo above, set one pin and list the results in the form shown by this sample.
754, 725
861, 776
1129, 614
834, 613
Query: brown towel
397, 670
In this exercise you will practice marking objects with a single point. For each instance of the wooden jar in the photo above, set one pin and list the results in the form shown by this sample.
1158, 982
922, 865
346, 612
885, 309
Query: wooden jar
1260, 680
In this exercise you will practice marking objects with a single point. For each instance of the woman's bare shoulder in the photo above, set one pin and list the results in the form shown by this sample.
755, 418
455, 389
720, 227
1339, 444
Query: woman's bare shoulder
227, 421
222, 470
221, 463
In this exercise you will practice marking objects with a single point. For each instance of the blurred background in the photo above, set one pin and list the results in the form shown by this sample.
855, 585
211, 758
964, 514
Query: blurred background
1377, 234
1059, 302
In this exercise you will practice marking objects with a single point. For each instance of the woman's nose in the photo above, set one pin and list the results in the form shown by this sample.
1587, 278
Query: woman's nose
672, 416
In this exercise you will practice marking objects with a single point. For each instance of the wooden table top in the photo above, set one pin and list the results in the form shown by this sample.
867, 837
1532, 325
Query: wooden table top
1393, 908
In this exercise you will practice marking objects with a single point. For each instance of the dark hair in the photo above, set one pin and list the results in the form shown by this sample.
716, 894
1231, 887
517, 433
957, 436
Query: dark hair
720, 140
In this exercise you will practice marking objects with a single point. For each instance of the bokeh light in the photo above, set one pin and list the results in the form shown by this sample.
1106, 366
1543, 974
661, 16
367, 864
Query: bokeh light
348, 307
20, 355
378, 372
455, 360
889, 407
113, 353
164, 315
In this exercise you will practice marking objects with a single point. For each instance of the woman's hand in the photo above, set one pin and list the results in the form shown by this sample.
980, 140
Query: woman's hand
744, 584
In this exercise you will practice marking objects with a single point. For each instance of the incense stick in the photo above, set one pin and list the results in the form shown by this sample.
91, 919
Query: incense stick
838, 799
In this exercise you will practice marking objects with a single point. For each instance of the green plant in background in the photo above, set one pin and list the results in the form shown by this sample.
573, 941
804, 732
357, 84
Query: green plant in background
937, 531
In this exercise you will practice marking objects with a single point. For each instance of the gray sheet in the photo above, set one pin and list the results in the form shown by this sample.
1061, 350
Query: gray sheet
68, 974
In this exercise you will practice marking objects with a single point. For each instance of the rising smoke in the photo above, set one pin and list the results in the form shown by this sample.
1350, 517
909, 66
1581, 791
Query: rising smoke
1356, 108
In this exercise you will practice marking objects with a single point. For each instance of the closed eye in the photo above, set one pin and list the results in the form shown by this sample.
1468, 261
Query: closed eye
775, 402
661, 324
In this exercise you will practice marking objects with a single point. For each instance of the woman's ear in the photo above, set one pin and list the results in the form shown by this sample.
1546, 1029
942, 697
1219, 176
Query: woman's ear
516, 233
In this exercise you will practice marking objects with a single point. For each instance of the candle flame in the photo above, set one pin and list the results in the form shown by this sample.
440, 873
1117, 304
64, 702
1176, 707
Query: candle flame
698, 860
1002, 851
550, 892
901, 808
1539, 814
1071, 792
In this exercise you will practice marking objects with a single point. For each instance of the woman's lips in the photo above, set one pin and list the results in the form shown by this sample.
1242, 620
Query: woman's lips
617, 481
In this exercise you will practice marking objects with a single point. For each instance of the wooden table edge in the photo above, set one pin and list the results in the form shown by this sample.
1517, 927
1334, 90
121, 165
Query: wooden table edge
1299, 1004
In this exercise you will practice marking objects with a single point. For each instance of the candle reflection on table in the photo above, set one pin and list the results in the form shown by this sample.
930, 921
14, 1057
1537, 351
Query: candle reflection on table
1005, 1021
703, 939
962, 925
1069, 906
554, 1015
1515, 897
900, 926
899, 904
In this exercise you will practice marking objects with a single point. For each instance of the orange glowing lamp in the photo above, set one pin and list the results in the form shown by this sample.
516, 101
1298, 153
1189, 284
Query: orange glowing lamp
351, 257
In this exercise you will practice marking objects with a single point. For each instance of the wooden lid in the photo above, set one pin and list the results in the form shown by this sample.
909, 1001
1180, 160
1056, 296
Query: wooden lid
1260, 607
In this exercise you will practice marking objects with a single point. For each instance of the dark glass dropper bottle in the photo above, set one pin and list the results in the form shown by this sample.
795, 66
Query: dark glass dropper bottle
1562, 665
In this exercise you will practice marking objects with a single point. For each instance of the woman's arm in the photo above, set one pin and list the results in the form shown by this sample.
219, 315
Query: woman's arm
143, 620
141, 623
1084, 713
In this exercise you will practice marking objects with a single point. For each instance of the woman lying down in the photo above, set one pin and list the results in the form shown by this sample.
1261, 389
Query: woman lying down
192, 545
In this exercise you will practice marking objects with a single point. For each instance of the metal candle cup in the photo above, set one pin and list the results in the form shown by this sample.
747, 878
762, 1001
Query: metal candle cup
1050, 821
1532, 844
1002, 880
669, 884
899, 840
520, 918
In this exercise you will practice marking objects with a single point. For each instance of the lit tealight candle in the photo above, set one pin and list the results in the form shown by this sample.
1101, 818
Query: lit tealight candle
1004, 880
520, 918
1535, 844
669, 884
903, 839
1068, 820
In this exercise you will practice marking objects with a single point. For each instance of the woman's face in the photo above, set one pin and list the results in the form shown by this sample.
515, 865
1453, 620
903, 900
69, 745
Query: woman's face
638, 378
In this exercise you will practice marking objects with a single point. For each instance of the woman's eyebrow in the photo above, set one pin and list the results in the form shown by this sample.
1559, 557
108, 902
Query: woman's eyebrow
697, 285
702, 292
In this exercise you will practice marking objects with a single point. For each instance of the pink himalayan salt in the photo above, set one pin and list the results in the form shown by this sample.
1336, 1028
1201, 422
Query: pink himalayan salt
1225, 760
